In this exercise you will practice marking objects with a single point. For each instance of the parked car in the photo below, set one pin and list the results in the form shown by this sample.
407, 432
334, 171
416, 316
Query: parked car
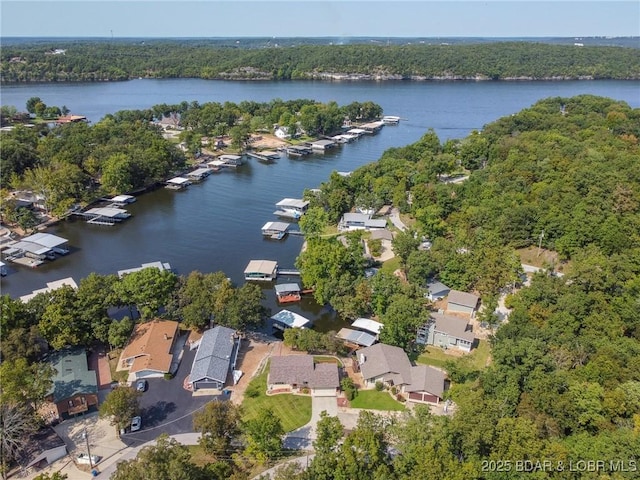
83, 459
136, 424
141, 386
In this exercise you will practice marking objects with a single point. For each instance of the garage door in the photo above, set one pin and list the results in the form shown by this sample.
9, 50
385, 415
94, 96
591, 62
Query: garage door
323, 392
203, 384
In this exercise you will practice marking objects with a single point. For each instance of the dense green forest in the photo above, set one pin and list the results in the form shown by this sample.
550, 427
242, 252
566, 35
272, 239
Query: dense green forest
106, 61
562, 391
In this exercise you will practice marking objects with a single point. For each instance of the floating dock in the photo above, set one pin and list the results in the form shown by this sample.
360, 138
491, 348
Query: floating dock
265, 156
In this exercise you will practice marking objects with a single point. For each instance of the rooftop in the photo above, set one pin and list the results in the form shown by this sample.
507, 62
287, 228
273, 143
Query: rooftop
149, 347
453, 326
267, 267
382, 359
463, 298
72, 375
291, 319
214, 355
301, 370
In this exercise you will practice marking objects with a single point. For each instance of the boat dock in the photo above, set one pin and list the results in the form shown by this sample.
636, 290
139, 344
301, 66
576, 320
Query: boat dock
287, 292
289, 271
264, 156
298, 150
275, 230
104, 215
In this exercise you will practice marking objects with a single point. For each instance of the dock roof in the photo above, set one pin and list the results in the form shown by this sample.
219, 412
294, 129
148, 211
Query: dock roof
45, 239
123, 199
368, 325
178, 180
261, 266
287, 287
291, 319
278, 226
50, 287
356, 336
110, 212
159, 265
199, 172
292, 202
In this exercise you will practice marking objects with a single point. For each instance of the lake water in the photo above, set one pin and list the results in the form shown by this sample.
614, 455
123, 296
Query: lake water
216, 225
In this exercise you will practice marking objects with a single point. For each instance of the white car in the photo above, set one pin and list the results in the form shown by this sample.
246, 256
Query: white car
136, 424
83, 459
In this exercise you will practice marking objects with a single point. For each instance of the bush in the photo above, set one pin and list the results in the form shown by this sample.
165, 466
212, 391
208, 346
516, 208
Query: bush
168, 376
304, 391
252, 391
400, 398
375, 247
379, 386
349, 388
394, 390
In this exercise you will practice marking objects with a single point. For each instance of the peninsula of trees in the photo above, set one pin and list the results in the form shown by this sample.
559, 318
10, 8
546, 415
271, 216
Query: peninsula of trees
84, 60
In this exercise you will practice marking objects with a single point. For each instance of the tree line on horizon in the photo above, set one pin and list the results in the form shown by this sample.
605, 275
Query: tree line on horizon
84, 61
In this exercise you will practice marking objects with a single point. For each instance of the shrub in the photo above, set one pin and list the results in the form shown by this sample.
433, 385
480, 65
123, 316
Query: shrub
168, 376
375, 247
304, 391
379, 386
252, 391
394, 390
400, 398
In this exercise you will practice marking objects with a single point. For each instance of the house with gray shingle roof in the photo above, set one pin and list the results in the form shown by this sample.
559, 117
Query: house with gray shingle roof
391, 366
216, 355
462, 302
446, 331
300, 371
75, 387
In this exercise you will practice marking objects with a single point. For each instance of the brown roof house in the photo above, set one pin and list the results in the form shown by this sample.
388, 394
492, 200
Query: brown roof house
300, 371
149, 351
446, 331
75, 387
391, 366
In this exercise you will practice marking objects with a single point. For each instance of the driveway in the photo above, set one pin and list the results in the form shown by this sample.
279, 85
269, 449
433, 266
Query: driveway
166, 406
303, 437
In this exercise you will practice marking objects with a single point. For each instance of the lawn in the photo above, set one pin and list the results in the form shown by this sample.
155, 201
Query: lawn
294, 411
375, 400
391, 265
327, 359
113, 357
437, 357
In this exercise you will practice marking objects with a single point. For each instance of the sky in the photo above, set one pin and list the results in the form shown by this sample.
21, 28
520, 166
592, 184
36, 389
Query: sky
318, 18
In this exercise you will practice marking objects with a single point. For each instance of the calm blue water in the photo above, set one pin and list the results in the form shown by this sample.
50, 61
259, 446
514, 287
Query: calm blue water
216, 225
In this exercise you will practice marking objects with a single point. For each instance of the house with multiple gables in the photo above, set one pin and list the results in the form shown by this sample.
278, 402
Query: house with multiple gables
75, 387
215, 359
149, 351
446, 331
292, 372
391, 366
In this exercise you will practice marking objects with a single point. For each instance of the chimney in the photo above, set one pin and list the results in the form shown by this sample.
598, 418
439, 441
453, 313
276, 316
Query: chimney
166, 337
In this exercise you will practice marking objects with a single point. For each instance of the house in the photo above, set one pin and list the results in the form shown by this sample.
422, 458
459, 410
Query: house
391, 366
51, 286
43, 448
427, 384
261, 270
384, 363
216, 356
288, 319
75, 387
462, 302
300, 371
360, 221
436, 290
149, 351
282, 133
446, 331
322, 145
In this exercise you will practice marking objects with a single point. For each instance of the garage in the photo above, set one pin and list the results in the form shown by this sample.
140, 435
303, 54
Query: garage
424, 397
323, 392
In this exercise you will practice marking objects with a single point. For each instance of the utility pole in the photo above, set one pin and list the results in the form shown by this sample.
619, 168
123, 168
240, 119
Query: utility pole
86, 438
540, 243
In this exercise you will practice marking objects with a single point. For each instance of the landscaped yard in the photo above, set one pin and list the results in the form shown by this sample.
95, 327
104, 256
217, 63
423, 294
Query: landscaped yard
327, 359
113, 357
294, 411
437, 357
391, 265
375, 400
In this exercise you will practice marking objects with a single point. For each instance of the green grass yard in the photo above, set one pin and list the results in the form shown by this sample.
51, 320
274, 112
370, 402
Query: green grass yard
375, 400
476, 360
294, 411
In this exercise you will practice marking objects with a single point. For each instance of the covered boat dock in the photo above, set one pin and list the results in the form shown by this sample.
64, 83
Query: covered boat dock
261, 270
288, 292
288, 319
275, 230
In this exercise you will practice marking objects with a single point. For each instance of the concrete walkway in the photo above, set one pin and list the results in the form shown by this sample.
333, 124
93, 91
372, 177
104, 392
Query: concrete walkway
303, 437
395, 219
